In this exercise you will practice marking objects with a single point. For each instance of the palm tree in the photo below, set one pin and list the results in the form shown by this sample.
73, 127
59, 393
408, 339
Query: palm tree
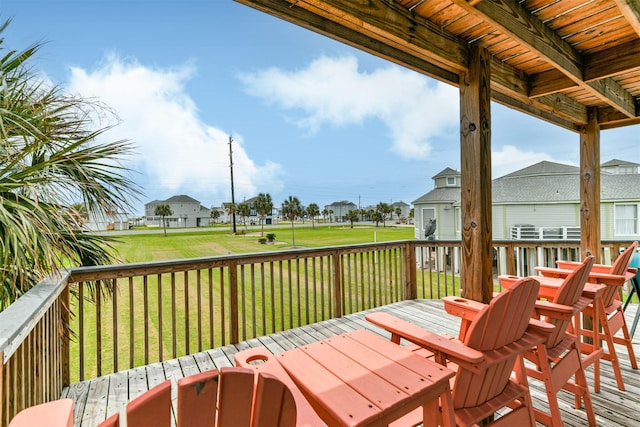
50, 159
263, 205
398, 212
291, 208
79, 212
163, 211
244, 210
313, 210
325, 214
231, 209
376, 217
384, 209
215, 214
353, 216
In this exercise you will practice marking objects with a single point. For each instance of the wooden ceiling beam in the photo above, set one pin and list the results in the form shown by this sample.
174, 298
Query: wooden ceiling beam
549, 82
611, 62
610, 118
631, 11
533, 109
331, 29
514, 19
383, 21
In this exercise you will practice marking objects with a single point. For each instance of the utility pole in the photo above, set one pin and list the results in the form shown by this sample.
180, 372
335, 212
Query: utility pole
233, 198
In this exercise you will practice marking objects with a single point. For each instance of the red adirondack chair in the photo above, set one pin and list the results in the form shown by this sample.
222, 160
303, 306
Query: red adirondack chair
228, 397
495, 340
558, 359
610, 314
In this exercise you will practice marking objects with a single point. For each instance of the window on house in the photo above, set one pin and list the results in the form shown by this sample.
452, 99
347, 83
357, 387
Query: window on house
427, 215
623, 170
451, 180
458, 216
626, 219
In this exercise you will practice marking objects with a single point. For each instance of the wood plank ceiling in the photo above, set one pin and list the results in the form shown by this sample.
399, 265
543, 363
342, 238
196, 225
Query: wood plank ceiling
553, 59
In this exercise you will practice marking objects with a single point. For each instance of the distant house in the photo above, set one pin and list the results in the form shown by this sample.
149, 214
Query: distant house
538, 202
254, 216
338, 210
111, 220
405, 209
187, 212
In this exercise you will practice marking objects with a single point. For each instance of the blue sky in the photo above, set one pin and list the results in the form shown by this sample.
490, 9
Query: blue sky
310, 117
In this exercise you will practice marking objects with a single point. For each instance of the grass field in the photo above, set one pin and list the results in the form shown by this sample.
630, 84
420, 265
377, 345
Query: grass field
156, 247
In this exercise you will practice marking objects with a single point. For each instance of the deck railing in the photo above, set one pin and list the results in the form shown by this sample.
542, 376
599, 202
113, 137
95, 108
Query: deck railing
129, 315
34, 347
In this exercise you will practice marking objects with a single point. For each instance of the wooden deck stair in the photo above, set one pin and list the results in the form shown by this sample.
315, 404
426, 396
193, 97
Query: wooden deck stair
98, 398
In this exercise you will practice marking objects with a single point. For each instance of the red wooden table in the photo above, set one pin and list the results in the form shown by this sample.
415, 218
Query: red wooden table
362, 379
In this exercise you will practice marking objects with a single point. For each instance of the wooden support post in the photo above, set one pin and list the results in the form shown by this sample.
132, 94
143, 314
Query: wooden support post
590, 194
590, 187
475, 151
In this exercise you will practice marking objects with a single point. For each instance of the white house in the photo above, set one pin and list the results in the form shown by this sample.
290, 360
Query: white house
538, 202
405, 209
99, 221
338, 210
187, 212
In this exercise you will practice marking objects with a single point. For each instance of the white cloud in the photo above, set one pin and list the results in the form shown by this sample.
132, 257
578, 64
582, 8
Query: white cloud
332, 91
175, 151
510, 159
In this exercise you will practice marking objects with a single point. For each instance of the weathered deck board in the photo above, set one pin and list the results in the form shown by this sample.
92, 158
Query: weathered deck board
97, 398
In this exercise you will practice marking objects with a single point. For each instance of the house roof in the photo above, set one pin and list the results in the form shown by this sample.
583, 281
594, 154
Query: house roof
342, 203
182, 198
560, 61
545, 168
440, 195
446, 172
616, 162
545, 182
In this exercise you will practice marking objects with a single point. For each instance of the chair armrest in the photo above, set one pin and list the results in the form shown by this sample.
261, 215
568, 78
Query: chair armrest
453, 349
601, 268
462, 307
507, 280
553, 272
568, 265
556, 311
607, 279
539, 327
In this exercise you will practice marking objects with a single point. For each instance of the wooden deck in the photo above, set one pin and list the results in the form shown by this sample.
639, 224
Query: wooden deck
100, 397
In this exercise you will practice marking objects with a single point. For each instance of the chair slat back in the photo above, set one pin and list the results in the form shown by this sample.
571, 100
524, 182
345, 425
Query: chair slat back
235, 397
568, 295
274, 404
503, 321
619, 267
152, 408
197, 399
573, 284
621, 263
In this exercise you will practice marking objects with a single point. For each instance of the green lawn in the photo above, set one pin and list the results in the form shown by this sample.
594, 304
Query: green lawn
156, 247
